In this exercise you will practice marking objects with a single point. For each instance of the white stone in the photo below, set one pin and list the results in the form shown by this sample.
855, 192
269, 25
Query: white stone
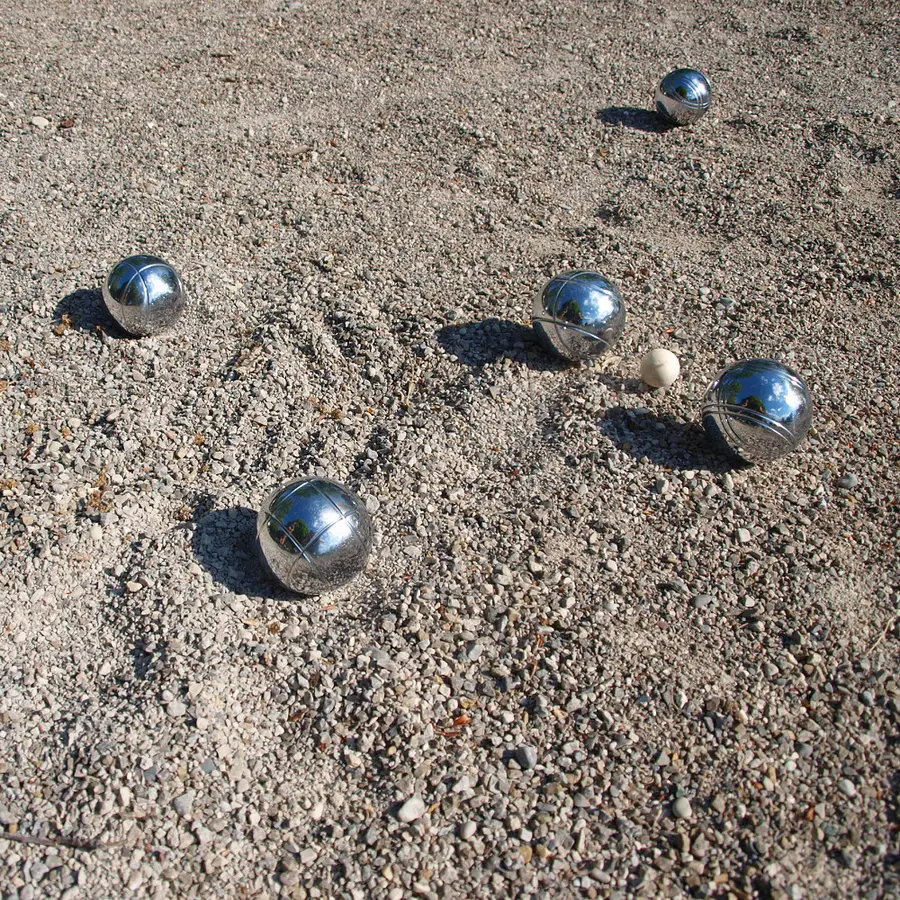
847, 787
413, 809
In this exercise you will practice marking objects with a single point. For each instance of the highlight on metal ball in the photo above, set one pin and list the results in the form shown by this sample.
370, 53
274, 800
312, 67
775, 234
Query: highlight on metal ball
578, 315
758, 409
314, 535
144, 294
683, 97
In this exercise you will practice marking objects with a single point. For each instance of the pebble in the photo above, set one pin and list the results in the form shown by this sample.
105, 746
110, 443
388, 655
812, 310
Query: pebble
39, 122
846, 787
412, 809
848, 482
184, 803
681, 808
526, 756
176, 708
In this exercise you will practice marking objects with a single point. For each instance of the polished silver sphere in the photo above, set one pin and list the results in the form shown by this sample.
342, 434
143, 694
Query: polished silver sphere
683, 97
144, 294
758, 409
578, 315
314, 535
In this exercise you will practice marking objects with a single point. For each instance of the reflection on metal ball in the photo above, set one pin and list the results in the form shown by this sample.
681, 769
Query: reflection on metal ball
683, 97
758, 409
144, 294
314, 535
579, 315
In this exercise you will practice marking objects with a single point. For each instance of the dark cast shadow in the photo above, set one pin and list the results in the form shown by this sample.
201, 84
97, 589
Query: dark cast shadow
85, 311
224, 544
665, 441
481, 343
634, 117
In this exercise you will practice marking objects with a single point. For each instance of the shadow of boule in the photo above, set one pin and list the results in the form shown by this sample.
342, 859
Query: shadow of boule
634, 117
225, 544
491, 340
84, 310
665, 441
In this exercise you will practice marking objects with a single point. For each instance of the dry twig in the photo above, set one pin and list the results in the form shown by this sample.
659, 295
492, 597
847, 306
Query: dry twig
883, 634
71, 843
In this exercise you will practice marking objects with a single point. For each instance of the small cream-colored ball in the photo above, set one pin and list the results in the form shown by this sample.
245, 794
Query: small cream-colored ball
660, 368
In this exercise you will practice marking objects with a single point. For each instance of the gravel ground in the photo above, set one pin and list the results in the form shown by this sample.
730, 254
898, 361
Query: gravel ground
589, 657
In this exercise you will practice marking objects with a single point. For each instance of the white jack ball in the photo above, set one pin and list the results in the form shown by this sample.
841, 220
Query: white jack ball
660, 368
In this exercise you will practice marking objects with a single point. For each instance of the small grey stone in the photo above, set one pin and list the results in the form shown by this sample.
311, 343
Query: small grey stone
526, 756
700, 847
847, 787
413, 809
462, 784
701, 601
466, 830
184, 803
176, 708
38, 870
848, 481
681, 808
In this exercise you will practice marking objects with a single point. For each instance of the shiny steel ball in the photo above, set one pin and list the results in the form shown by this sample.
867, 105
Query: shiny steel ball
314, 535
144, 294
683, 97
578, 315
758, 409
